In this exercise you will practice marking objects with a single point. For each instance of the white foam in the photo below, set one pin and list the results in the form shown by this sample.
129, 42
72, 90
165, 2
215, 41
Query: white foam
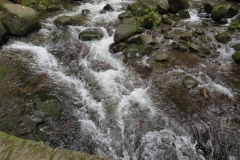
193, 16
165, 144
40, 54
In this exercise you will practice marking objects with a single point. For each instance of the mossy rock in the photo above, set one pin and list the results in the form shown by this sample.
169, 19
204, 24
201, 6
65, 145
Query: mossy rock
161, 6
222, 37
236, 56
126, 14
236, 47
183, 14
13, 148
148, 18
235, 25
182, 47
19, 20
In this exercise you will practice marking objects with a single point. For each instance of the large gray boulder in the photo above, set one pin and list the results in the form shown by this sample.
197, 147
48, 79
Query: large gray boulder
177, 5
19, 20
162, 5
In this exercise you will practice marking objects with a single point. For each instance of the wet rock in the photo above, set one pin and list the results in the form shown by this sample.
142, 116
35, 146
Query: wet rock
199, 31
161, 5
135, 8
166, 28
223, 21
183, 14
205, 38
194, 47
85, 12
208, 7
148, 40
205, 93
223, 11
91, 34
162, 56
139, 50
165, 17
177, 5
117, 47
51, 109
41, 7
127, 28
19, 20
235, 25
144, 50
135, 39
185, 36
175, 45
236, 56
107, 8
189, 82
63, 21
167, 21
204, 50
182, 47
3, 33
53, 7
126, 14
222, 37
168, 35
232, 11
236, 47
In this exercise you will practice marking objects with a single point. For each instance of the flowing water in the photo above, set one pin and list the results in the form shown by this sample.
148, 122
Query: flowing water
111, 103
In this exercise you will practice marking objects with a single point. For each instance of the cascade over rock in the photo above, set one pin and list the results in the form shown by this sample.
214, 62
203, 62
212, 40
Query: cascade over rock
19, 20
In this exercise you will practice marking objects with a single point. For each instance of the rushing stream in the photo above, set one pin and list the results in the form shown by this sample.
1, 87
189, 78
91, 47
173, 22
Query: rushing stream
115, 113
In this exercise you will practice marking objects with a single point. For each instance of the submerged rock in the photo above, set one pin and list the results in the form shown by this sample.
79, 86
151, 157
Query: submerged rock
189, 82
162, 56
91, 34
19, 20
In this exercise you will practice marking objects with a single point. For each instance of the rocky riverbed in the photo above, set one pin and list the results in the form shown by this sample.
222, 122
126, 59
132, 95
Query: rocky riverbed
172, 72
